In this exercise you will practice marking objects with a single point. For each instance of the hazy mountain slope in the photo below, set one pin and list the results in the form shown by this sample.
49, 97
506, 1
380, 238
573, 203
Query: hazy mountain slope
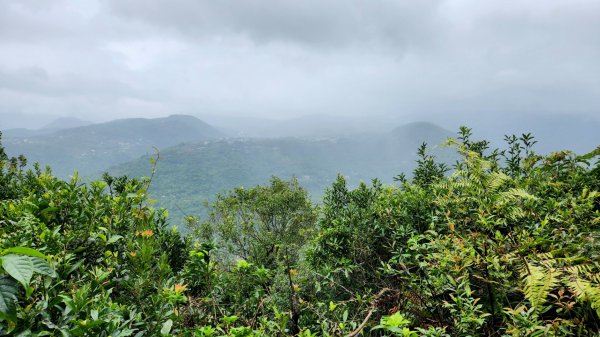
20, 120
66, 123
91, 149
314, 125
21, 133
560, 132
188, 174
554, 132
55, 125
317, 125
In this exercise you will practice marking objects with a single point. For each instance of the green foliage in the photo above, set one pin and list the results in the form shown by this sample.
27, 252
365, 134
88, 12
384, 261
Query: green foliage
505, 243
20, 265
263, 224
8, 297
427, 171
79, 261
397, 324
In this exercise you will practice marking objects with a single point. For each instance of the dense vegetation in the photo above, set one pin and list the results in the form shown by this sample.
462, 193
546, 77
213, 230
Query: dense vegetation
192, 173
503, 243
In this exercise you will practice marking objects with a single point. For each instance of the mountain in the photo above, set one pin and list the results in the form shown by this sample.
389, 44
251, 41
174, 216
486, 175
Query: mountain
55, 125
93, 148
577, 132
22, 133
188, 174
307, 126
22, 120
316, 125
66, 123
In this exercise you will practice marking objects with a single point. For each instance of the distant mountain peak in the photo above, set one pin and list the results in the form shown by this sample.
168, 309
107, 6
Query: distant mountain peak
418, 132
182, 116
66, 123
93, 147
419, 125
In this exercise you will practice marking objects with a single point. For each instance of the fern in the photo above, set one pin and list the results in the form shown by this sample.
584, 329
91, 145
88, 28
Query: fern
496, 180
539, 282
585, 285
517, 193
586, 291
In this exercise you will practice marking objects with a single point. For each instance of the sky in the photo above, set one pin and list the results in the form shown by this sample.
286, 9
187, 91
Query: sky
101, 60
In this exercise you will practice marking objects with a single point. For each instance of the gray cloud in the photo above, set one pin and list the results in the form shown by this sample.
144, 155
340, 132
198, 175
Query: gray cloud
322, 23
101, 60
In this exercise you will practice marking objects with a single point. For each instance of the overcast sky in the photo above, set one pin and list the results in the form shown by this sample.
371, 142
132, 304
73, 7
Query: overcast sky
100, 60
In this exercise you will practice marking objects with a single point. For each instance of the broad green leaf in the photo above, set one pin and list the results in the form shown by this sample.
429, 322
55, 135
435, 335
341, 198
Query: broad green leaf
19, 267
114, 238
25, 251
8, 296
41, 266
69, 304
166, 327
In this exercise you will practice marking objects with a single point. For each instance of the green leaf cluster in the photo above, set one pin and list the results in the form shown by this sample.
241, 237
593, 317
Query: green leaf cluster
504, 242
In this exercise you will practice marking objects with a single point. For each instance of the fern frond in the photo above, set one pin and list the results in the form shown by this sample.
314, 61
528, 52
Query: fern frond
517, 193
585, 284
496, 180
539, 281
586, 291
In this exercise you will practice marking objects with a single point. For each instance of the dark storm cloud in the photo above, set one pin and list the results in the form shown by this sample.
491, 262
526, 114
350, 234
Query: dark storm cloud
100, 60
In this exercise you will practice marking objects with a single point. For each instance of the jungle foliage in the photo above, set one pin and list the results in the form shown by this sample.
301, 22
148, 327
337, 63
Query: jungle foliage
502, 243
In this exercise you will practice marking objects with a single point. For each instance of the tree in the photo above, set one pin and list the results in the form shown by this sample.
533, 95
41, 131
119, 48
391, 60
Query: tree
266, 226
258, 224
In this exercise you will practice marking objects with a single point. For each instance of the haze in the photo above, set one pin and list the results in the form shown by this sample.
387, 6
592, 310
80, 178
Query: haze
442, 61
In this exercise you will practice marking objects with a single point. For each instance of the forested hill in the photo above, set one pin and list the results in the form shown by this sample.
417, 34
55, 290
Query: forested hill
93, 148
188, 174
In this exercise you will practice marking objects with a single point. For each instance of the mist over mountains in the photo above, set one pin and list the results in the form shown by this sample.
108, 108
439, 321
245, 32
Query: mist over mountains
53, 126
94, 148
200, 159
190, 173
552, 131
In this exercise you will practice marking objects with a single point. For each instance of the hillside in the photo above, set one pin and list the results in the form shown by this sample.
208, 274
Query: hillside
188, 174
56, 125
66, 123
306, 126
23, 133
91, 149
552, 131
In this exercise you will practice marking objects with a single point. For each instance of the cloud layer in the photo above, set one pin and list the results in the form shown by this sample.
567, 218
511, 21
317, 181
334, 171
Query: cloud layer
100, 60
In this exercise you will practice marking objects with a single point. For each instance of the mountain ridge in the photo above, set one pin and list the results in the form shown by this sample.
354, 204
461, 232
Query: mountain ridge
188, 174
93, 148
